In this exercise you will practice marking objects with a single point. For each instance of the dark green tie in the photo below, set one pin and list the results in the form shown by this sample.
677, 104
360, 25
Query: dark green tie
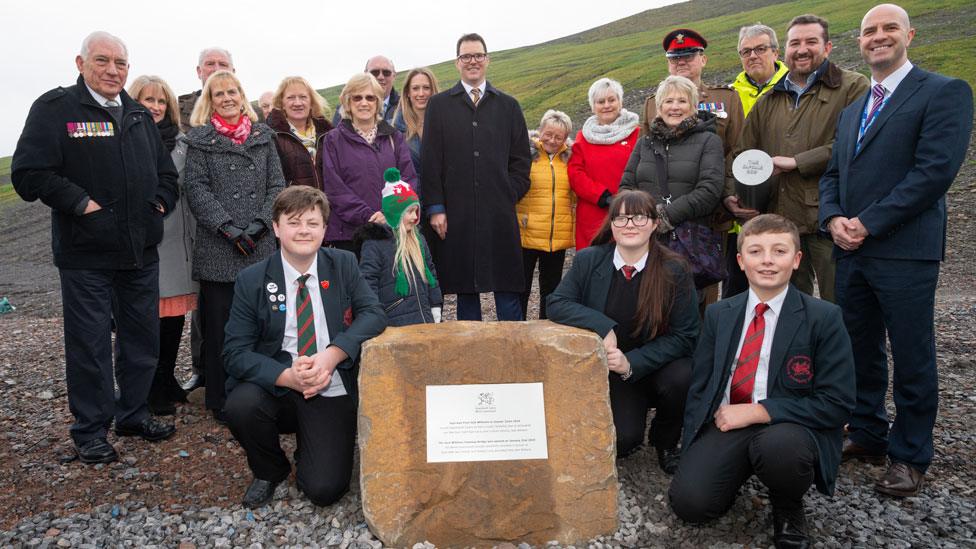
306, 320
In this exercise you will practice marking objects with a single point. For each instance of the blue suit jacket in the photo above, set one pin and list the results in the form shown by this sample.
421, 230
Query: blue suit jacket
254, 331
896, 182
811, 372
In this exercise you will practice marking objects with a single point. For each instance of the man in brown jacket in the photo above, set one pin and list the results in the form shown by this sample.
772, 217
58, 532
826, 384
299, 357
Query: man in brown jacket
794, 123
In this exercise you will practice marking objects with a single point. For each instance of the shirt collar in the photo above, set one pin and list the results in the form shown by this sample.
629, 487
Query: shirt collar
775, 304
100, 99
468, 88
895, 78
292, 274
618, 261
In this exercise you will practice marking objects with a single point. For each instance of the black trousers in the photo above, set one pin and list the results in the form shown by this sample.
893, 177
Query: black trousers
735, 283
325, 431
665, 390
214, 300
783, 456
91, 299
550, 273
196, 343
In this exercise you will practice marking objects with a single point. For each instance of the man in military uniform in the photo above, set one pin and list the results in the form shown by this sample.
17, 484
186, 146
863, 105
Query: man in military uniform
211, 60
685, 52
93, 155
794, 123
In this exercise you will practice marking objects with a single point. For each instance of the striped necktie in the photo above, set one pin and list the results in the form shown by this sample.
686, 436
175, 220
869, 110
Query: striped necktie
877, 99
306, 319
744, 377
475, 96
628, 271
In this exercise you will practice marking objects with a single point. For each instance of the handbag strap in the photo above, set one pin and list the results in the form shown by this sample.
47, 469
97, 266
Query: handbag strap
661, 163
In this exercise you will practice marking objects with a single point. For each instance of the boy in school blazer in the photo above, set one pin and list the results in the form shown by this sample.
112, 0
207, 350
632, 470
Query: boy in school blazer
298, 318
772, 387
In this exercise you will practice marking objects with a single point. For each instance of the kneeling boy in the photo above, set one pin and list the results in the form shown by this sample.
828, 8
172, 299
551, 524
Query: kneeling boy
292, 342
771, 389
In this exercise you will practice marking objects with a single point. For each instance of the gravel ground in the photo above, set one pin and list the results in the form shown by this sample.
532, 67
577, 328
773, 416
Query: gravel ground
185, 491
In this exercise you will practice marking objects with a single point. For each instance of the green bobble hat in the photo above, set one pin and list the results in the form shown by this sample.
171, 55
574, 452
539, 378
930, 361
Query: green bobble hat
397, 197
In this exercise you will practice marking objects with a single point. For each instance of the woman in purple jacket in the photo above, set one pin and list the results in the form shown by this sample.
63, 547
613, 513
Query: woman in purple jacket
356, 153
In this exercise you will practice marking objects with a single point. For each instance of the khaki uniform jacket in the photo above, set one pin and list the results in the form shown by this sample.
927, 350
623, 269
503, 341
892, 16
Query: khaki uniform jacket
805, 132
187, 103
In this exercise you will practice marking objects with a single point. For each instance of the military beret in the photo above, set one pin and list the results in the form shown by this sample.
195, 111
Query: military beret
681, 42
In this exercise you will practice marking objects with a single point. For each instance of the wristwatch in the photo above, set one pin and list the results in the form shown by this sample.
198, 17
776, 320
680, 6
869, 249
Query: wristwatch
630, 371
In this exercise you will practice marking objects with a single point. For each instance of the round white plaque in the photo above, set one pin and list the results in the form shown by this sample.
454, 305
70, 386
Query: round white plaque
752, 167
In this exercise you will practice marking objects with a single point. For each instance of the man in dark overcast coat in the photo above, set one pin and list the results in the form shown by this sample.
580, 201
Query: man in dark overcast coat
476, 167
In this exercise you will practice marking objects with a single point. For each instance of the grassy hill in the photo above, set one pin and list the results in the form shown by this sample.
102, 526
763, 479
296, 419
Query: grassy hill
556, 74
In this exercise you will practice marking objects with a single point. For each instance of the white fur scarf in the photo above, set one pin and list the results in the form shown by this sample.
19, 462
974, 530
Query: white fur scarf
611, 133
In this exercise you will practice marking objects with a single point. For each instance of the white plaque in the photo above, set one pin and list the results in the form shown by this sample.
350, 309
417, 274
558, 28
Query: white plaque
489, 422
752, 167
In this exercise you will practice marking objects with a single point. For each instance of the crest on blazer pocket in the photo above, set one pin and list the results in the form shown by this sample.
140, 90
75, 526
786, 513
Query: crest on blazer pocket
799, 369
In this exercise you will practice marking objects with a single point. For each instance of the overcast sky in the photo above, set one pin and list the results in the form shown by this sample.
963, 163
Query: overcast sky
269, 39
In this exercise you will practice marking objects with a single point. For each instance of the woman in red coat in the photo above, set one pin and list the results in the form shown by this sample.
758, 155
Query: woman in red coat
600, 154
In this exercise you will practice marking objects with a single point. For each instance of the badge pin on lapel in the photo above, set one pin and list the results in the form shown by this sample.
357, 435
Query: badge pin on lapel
324, 284
272, 287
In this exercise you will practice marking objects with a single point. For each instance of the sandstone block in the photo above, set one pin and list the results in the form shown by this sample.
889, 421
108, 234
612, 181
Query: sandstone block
569, 497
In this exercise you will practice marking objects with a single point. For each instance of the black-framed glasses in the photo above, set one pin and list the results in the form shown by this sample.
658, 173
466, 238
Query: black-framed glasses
469, 57
745, 53
358, 98
620, 221
385, 72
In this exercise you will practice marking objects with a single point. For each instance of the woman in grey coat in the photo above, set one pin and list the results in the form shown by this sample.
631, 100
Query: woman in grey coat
177, 290
232, 177
685, 141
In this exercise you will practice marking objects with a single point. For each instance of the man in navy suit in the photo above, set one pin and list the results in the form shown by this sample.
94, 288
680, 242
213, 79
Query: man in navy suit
882, 199
772, 386
297, 319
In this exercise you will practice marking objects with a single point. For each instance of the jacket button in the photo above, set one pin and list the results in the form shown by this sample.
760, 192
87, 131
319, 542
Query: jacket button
477, 154
237, 195
254, 195
233, 167
251, 167
474, 123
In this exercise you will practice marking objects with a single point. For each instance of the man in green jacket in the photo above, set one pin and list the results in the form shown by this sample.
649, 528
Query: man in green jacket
794, 123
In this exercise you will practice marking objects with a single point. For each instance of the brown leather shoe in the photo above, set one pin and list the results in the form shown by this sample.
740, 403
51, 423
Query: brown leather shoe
852, 450
901, 480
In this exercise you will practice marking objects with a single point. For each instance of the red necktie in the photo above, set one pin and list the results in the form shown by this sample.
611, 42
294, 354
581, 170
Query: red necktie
306, 319
628, 271
744, 377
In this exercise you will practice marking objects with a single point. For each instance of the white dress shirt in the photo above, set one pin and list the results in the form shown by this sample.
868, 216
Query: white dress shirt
618, 261
771, 317
100, 99
290, 340
481, 88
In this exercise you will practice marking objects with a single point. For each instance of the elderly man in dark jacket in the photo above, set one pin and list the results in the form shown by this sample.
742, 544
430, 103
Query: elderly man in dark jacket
476, 168
95, 157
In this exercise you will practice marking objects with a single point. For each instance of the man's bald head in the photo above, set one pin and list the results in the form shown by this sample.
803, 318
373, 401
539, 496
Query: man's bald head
382, 69
886, 33
892, 10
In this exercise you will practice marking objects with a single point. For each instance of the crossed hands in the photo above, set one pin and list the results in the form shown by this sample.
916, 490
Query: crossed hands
310, 375
729, 417
848, 234
616, 359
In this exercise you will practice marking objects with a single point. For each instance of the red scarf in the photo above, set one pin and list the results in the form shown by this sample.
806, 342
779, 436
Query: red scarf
235, 132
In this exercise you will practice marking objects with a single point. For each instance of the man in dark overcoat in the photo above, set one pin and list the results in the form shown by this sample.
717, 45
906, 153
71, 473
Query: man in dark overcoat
476, 167
94, 156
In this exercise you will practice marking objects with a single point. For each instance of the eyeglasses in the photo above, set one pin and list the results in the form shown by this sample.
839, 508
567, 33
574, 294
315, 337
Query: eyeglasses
385, 72
620, 221
745, 53
469, 57
358, 98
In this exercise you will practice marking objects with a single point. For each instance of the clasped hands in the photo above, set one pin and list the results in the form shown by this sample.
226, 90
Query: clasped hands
309, 375
848, 234
729, 417
245, 240
616, 359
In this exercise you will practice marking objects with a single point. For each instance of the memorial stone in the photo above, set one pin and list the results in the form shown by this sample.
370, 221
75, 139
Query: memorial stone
569, 496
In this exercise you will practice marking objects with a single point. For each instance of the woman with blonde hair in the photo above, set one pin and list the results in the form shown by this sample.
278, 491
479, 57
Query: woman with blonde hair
355, 155
298, 119
177, 290
418, 88
232, 178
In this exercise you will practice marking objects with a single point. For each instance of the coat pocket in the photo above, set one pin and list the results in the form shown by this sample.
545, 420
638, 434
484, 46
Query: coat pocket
97, 231
154, 225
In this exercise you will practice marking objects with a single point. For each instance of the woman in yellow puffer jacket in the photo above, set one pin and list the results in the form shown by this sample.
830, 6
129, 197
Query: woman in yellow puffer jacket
546, 213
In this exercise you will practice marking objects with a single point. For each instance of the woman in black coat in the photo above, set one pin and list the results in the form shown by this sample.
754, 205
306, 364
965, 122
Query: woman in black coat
639, 297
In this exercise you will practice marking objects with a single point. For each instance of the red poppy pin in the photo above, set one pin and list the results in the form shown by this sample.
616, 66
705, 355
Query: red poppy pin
324, 284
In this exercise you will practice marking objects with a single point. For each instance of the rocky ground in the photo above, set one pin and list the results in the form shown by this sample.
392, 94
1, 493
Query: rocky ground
185, 491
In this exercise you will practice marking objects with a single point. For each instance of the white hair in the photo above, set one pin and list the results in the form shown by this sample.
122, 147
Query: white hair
100, 36
600, 88
752, 31
221, 51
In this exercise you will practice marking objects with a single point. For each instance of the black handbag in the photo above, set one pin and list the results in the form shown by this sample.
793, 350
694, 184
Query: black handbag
697, 243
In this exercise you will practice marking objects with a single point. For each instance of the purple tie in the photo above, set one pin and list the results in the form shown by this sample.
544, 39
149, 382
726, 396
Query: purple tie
877, 99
